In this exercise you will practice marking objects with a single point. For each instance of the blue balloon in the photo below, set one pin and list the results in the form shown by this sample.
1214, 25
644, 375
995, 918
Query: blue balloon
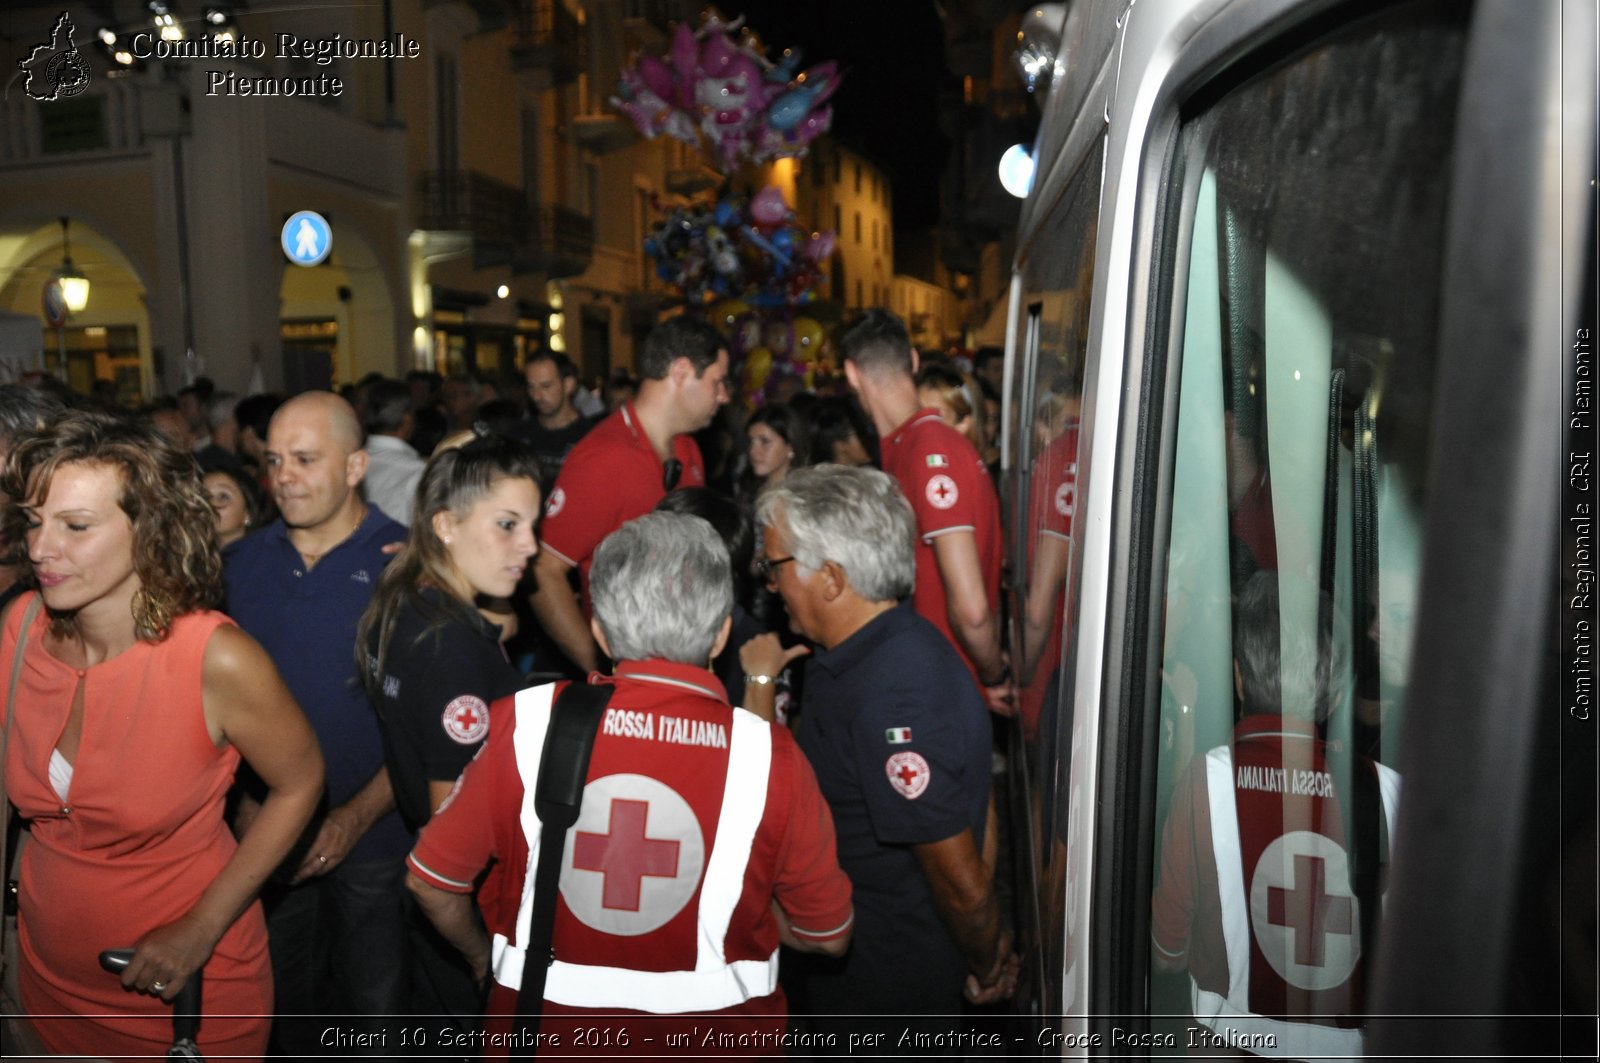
788, 110
727, 215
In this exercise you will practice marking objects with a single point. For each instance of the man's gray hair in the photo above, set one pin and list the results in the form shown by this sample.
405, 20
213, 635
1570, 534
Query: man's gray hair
661, 586
855, 517
1282, 669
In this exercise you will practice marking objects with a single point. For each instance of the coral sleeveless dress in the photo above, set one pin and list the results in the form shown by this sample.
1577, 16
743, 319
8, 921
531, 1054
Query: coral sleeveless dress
138, 838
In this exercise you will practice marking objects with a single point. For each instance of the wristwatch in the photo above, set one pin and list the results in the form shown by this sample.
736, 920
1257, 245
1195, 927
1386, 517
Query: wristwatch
760, 680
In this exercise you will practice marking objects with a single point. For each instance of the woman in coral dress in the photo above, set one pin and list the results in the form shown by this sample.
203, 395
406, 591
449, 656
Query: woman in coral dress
134, 705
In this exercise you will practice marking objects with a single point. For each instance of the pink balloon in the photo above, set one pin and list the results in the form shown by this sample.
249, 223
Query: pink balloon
812, 126
767, 208
819, 247
826, 77
685, 53
656, 76
717, 55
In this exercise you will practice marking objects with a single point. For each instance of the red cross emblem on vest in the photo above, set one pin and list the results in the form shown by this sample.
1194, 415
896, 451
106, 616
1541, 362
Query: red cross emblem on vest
626, 855
1303, 914
942, 491
1310, 910
635, 856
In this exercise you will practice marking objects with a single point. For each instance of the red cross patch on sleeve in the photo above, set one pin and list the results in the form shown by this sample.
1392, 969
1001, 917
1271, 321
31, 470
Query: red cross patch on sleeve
908, 773
466, 719
941, 491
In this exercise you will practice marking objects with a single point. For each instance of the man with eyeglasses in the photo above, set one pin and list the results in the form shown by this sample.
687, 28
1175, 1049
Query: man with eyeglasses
622, 468
899, 739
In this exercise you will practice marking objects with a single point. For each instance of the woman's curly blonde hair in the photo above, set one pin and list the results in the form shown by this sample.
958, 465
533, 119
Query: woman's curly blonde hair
175, 552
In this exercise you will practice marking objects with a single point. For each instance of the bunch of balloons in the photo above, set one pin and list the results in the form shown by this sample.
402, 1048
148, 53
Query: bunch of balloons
770, 347
754, 251
746, 107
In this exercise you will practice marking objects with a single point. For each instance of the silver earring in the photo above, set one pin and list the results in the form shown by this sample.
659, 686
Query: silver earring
447, 540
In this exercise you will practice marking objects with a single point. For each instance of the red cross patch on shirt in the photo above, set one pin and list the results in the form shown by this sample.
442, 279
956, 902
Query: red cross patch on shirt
466, 719
908, 773
942, 492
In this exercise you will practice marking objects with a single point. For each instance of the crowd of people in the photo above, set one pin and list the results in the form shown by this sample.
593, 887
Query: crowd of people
283, 666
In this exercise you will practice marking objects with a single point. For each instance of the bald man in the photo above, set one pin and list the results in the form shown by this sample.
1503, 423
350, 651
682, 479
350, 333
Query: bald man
335, 920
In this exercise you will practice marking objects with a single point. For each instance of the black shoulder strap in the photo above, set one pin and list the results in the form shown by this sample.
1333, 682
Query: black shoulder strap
557, 796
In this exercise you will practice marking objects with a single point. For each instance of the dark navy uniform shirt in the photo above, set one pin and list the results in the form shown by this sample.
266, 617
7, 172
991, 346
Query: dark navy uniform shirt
900, 741
442, 670
306, 621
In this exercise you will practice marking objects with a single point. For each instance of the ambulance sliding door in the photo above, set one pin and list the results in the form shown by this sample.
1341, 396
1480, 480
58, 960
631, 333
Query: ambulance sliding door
1305, 229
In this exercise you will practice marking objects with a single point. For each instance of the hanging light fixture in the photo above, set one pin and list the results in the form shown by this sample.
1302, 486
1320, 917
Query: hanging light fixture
74, 285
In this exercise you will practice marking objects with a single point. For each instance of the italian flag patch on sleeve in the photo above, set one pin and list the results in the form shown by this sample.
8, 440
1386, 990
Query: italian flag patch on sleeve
897, 736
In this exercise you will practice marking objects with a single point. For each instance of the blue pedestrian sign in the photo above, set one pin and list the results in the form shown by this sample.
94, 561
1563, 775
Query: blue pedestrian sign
307, 238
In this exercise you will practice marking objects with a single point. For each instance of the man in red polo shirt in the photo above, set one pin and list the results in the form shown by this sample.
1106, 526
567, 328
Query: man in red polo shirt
958, 514
624, 467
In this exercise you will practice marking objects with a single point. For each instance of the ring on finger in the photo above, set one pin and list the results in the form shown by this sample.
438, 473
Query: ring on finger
157, 986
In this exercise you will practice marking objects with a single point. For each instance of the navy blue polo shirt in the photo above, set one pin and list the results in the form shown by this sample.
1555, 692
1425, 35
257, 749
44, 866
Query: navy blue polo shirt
900, 741
306, 621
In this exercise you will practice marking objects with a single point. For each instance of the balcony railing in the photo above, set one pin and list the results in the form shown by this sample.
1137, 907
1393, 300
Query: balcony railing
491, 211
549, 42
559, 242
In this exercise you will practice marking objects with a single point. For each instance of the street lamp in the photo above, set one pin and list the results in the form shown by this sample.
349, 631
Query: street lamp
1016, 170
74, 285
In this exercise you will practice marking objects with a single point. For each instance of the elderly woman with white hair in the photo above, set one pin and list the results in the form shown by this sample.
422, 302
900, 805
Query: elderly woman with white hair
702, 841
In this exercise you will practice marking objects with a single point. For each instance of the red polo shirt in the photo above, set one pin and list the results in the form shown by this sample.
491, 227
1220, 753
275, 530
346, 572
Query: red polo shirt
942, 474
1051, 507
612, 476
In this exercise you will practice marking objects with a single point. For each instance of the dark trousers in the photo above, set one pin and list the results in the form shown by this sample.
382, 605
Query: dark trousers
441, 983
339, 957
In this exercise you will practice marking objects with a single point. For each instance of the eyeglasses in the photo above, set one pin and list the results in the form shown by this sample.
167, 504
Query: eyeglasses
767, 567
671, 473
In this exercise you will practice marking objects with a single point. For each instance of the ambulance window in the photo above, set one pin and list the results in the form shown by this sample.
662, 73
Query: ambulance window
1304, 347
1047, 386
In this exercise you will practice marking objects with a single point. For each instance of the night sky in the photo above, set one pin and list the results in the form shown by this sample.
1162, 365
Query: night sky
892, 54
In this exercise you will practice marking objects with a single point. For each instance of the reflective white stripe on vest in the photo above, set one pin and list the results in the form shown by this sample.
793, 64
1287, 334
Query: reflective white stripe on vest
1226, 848
714, 983
533, 720
1294, 1040
1231, 1013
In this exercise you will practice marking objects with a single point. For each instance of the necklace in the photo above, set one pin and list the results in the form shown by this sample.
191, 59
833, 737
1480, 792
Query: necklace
311, 558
